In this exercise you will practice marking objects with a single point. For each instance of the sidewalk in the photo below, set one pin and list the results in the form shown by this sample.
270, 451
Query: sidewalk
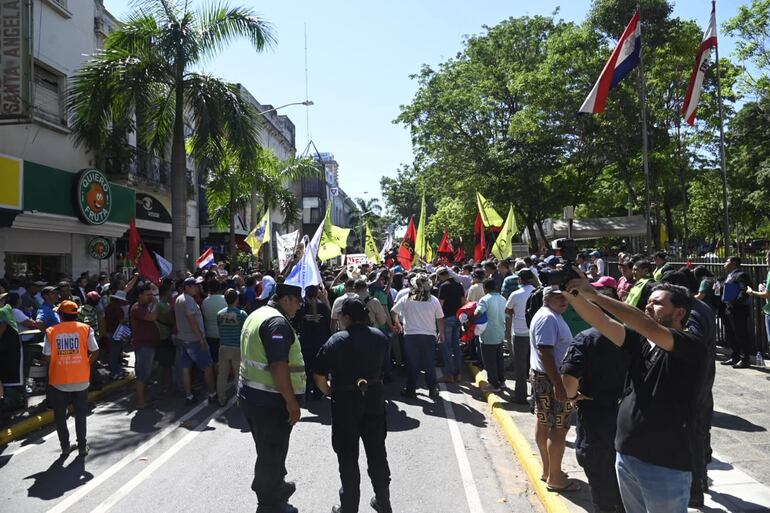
739, 474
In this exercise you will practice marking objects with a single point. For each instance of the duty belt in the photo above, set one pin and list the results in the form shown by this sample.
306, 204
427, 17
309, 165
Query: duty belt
355, 386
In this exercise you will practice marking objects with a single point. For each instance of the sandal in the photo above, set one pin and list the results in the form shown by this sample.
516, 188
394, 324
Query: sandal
572, 486
563, 474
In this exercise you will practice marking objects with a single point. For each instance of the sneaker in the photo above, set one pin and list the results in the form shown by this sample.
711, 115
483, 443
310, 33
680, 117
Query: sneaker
189, 400
83, 449
743, 364
433, 393
66, 449
213, 399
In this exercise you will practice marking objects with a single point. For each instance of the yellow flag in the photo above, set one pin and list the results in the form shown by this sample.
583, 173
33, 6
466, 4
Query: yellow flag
334, 239
489, 216
370, 247
663, 235
260, 234
420, 245
429, 253
503, 248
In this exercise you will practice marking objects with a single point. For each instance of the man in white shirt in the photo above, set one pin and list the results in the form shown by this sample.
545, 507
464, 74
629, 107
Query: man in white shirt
350, 285
550, 338
596, 259
423, 326
517, 331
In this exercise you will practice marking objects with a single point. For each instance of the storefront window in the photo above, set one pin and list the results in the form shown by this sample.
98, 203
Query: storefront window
36, 267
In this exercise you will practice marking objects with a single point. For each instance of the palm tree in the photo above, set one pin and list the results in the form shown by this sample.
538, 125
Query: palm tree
233, 178
143, 82
368, 211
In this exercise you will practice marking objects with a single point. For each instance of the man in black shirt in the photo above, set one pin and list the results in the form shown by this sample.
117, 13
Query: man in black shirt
313, 321
595, 369
665, 376
353, 358
451, 295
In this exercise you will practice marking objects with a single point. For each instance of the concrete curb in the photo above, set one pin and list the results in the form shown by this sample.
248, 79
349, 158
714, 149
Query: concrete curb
44, 418
551, 501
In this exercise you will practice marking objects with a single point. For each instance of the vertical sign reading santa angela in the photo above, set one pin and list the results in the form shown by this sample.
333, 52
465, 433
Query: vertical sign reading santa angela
93, 196
15, 59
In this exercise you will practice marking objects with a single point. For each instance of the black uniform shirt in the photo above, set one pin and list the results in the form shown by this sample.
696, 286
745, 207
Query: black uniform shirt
348, 355
656, 415
601, 368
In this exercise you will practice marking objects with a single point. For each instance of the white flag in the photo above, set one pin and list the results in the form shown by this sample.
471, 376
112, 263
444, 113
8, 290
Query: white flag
286, 245
306, 271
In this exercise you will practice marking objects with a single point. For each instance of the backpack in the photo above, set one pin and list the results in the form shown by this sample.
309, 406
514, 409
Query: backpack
534, 302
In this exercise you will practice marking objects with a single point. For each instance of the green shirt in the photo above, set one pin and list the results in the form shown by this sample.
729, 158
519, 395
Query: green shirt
164, 321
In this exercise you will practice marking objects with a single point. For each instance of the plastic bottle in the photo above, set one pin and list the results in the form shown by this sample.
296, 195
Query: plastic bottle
760, 359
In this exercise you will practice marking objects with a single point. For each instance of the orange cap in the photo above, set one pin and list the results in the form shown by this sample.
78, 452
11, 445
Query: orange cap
68, 307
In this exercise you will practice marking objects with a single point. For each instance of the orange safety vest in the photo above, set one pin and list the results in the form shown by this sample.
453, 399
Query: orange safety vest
69, 353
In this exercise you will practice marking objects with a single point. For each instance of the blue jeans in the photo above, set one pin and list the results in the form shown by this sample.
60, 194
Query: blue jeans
453, 357
648, 488
420, 355
116, 355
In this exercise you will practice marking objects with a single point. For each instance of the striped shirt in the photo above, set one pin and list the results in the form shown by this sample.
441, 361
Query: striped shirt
230, 322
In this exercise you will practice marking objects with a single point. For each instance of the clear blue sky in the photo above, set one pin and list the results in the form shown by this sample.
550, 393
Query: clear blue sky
360, 57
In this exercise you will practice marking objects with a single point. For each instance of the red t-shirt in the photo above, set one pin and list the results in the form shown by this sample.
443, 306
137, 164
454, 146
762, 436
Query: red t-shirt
144, 333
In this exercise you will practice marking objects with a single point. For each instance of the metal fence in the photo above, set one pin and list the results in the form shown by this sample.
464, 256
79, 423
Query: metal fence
757, 270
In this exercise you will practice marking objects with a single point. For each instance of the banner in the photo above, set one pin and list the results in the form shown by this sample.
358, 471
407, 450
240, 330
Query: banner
356, 259
286, 245
306, 271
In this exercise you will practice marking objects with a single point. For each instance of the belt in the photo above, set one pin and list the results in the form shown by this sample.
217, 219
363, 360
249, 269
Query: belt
353, 387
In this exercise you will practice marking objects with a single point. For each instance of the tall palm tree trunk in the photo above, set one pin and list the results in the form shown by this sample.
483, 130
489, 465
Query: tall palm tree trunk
178, 184
233, 245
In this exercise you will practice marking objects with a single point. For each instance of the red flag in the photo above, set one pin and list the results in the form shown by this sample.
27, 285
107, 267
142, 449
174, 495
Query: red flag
406, 251
460, 255
480, 239
139, 256
445, 249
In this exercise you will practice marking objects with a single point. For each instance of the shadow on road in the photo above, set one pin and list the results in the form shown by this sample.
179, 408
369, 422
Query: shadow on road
734, 423
57, 479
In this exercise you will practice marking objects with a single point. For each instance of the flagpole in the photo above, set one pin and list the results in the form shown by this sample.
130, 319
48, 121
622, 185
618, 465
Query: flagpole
645, 151
726, 219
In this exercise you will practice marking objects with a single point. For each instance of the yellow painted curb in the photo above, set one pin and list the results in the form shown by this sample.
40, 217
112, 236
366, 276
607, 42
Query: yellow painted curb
35, 422
552, 502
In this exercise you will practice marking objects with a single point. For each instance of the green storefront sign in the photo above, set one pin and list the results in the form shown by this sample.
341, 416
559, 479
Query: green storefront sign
100, 248
95, 201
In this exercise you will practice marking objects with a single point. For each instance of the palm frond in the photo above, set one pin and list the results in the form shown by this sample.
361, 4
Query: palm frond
220, 24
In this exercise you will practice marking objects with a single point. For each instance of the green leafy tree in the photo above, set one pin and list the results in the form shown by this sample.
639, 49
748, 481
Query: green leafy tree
146, 81
752, 28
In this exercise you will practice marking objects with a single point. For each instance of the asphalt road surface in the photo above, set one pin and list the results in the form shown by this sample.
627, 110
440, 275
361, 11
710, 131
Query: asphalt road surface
445, 456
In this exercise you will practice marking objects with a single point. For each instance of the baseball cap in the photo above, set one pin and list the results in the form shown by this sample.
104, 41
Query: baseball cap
48, 290
595, 254
189, 282
283, 289
552, 260
605, 281
550, 290
120, 296
354, 307
68, 307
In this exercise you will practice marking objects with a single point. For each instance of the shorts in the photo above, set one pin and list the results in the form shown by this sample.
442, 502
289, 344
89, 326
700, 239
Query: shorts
190, 353
145, 356
549, 411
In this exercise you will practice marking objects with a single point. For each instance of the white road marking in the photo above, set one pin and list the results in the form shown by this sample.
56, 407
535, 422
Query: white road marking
81, 492
466, 474
138, 479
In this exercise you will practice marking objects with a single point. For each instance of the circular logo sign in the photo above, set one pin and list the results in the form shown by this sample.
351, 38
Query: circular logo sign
100, 248
93, 196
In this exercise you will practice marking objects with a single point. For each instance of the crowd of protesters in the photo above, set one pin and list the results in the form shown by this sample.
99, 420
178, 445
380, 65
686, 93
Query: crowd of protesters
633, 357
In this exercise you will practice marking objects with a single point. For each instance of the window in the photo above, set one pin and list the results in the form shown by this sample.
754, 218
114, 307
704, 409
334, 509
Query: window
48, 95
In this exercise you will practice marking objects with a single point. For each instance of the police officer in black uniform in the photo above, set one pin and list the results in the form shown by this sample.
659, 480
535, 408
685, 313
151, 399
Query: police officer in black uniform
353, 359
598, 368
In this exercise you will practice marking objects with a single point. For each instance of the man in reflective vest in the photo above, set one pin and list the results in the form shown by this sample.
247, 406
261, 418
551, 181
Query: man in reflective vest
71, 348
643, 283
272, 381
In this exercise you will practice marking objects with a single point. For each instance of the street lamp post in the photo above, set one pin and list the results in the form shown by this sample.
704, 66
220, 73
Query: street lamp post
306, 103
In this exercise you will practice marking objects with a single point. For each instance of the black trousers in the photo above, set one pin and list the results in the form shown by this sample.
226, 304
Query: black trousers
271, 430
700, 442
59, 402
595, 452
356, 417
737, 331
492, 357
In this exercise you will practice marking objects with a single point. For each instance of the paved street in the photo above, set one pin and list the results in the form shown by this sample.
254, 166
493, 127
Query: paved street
199, 459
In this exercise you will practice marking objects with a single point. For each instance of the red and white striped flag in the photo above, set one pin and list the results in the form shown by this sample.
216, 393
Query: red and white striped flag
699, 71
